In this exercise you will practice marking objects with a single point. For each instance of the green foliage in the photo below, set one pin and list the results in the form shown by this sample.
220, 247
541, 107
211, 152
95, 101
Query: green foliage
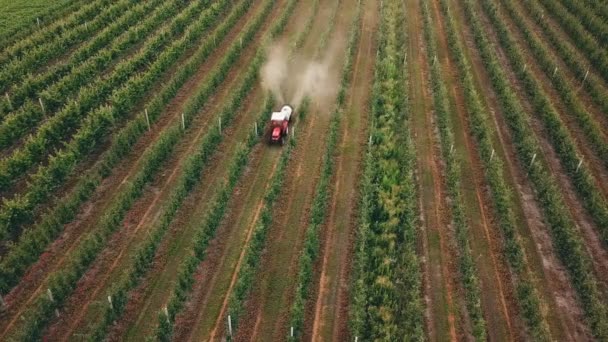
192, 171
466, 264
37, 55
34, 240
59, 81
592, 84
206, 231
595, 52
23, 23
590, 128
318, 214
96, 126
387, 301
563, 143
566, 239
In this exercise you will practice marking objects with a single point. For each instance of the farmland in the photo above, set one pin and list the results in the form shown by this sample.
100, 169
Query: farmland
444, 174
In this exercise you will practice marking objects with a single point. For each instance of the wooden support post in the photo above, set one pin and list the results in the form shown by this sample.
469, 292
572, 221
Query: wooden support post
255, 127
219, 122
147, 118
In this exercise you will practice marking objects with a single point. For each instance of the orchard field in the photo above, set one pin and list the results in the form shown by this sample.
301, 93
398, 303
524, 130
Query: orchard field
444, 178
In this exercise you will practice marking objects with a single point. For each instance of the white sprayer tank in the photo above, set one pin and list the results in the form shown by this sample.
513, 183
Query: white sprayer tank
284, 114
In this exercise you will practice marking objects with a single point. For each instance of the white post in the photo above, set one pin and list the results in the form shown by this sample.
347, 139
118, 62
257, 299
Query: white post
291, 331
585, 78
9, 100
579, 165
241, 40
525, 67
533, 158
86, 25
166, 314
110, 302
255, 127
370, 140
50, 294
554, 72
41, 105
57, 313
183, 122
451, 148
219, 122
147, 118
492, 155
356, 338
434, 59
229, 326
38, 21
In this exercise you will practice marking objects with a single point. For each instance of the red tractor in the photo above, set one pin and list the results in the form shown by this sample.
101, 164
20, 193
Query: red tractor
279, 125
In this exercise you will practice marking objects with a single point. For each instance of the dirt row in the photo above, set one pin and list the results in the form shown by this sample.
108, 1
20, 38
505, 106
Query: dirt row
497, 300
55, 257
593, 242
327, 314
204, 316
551, 280
443, 314
145, 213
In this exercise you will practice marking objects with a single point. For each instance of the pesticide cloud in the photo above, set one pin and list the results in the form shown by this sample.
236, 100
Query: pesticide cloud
293, 79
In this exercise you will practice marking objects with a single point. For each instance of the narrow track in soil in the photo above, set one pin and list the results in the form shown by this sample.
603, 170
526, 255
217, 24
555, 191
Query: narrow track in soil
442, 307
268, 308
330, 318
594, 246
563, 312
225, 252
496, 288
150, 205
61, 255
53, 259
